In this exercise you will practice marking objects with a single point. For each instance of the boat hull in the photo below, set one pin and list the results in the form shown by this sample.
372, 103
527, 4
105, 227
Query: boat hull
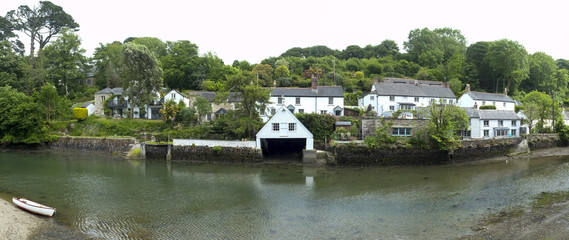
33, 207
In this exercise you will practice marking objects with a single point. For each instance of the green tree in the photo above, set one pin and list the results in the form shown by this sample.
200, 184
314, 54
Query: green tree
53, 105
542, 73
320, 125
282, 71
182, 66
478, 72
64, 62
456, 86
203, 107
7, 34
433, 49
142, 75
444, 121
264, 73
509, 61
10, 66
543, 107
107, 60
169, 111
155, 45
41, 23
21, 119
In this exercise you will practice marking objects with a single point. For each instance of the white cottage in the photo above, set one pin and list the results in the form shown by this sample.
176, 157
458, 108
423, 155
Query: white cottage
405, 94
283, 125
317, 99
493, 123
476, 99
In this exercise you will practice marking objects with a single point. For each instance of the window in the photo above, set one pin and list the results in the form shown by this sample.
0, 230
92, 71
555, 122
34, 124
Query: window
504, 104
416, 99
273, 111
102, 98
494, 103
514, 123
445, 101
450, 101
371, 97
300, 110
514, 132
486, 123
391, 98
297, 101
483, 103
292, 127
392, 108
338, 112
402, 131
406, 107
331, 100
323, 112
280, 101
173, 95
501, 123
486, 133
208, 117
276, 127
501, 133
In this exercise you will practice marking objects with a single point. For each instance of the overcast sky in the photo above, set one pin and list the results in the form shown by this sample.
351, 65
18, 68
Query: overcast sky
253, 30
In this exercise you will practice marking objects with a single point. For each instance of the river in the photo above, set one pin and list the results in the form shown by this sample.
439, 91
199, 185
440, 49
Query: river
110, 198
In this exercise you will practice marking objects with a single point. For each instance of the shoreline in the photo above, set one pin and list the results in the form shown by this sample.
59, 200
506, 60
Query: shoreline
16, 223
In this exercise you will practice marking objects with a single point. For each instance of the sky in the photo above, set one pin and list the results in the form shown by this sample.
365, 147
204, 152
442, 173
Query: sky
253, 30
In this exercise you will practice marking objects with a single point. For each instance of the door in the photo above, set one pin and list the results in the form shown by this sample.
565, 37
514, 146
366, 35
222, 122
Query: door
283, 129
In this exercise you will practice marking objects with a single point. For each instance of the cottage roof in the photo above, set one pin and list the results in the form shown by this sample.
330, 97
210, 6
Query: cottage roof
415, 90
211, 95
412, 81
321, 91
482, 96
498, 115
114, 91
85, 105
472, 112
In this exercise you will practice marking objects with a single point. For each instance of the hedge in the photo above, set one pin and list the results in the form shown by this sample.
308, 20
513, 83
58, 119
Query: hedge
80, 113
487, 107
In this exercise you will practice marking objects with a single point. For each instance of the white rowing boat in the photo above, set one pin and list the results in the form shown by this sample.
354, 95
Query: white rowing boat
33, 207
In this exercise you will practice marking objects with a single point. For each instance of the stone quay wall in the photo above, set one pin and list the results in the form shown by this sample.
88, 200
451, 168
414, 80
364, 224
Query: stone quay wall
205, 153
92, 144
370, 124
471, 150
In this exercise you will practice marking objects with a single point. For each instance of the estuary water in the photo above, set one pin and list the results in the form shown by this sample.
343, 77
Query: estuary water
110, 198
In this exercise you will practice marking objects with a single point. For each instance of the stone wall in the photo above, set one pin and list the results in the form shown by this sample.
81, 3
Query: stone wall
471, 150
93, 144
205, 153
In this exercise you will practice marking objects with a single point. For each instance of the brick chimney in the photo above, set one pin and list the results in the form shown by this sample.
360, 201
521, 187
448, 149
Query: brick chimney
505, 91
467, 88
314, 83
447, 84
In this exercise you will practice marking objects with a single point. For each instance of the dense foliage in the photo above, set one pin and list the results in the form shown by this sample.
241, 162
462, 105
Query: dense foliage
53, 76
320, 125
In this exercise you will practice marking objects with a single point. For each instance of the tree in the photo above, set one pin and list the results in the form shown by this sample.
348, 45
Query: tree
444, 121
434, 48
181, 66
252, 100
264, 73
21, 119
509, 61
542, 73
203, 107
7, 34
542, 110
142, 75
108, 59
282, 71
153, 44
65, 61
169, 111
41, 23
478, 71
52, 104
320, 125
10, 66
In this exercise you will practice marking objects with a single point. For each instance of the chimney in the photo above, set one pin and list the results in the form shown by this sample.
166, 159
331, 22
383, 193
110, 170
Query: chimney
275, 83
314, 83
375, 81
416, 82
505, 91
467, 88
447, 84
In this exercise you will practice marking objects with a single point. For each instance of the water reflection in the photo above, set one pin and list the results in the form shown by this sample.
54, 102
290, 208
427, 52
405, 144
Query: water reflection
116, 199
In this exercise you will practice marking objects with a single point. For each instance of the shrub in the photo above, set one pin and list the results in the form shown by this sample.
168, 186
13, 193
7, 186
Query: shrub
491, 107
216, 149
80, 113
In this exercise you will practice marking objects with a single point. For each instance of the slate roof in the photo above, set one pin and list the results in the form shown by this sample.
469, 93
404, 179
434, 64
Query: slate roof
115, 91
85, 105
411, 81
472, 112
211, 95
482, 96
321, 91
403, 89
498, 114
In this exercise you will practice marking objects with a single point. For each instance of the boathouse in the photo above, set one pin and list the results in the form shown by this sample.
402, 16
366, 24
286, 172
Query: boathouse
284, 133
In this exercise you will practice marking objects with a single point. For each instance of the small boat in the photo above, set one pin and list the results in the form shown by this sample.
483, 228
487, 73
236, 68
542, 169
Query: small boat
33, 207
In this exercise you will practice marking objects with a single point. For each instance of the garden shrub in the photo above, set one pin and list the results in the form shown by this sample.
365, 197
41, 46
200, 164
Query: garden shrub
80, 113
487, 107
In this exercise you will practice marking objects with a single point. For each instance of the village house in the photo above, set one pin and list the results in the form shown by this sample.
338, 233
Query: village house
492, 123
118, 104
284, 129
476, 99
392, 94
317, 99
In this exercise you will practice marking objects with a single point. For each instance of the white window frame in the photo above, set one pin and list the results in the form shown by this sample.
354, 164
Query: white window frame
276, 127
